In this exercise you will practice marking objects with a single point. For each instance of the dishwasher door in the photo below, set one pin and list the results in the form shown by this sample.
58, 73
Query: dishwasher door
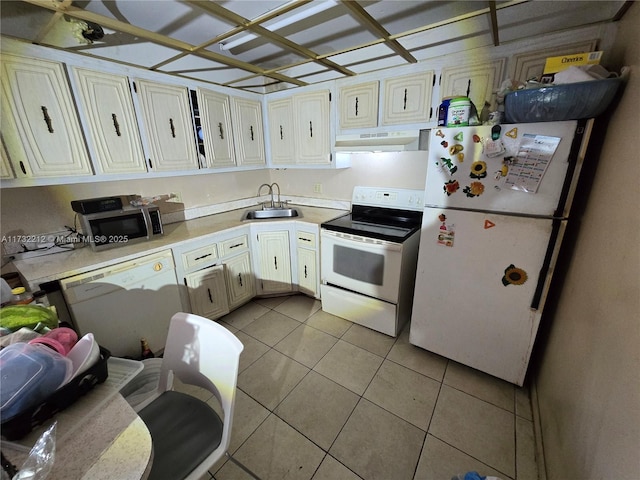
122, 303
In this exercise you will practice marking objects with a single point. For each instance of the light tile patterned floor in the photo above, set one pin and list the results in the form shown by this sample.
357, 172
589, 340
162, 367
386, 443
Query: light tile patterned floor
321, 398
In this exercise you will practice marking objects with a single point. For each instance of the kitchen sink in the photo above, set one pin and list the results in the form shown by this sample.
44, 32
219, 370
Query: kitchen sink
268, 213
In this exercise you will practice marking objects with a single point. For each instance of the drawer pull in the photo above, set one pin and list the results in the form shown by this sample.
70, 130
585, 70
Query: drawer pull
236, 245
47, 118
203, 256
304, 239
210, 297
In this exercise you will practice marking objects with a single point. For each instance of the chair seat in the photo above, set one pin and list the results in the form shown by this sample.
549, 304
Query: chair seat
184, 431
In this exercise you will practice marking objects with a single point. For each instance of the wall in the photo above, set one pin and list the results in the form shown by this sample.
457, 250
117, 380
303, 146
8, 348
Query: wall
588, 383
33, 210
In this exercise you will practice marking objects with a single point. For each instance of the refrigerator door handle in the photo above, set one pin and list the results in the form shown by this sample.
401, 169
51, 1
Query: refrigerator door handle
549, 258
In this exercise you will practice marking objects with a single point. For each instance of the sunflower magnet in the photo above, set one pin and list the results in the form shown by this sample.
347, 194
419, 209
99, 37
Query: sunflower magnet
514, 276
478, 170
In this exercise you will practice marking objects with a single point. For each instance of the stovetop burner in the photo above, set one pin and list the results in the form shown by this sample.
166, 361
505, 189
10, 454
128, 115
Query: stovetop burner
381, 222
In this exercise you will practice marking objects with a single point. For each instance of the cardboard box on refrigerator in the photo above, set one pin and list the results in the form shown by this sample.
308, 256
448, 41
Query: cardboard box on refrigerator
557, 64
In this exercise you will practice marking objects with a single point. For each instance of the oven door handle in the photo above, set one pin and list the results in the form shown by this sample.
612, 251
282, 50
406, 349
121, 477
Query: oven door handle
372, 243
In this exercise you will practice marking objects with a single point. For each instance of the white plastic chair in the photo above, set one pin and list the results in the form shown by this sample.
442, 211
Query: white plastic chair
188, 435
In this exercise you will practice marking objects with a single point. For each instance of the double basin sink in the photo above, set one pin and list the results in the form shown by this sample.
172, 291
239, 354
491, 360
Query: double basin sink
270, 213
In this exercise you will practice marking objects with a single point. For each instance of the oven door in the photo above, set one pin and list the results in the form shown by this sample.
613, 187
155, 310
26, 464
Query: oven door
361, 264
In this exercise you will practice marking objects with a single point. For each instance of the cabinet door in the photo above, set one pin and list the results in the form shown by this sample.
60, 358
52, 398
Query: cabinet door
307, 273
240, 280
169, 127
106, 102
215, 117
313, 140
407, 99
481, 81
359, 105
5, 166
275, 262
281, 131
248, 133
207, 292
40, 125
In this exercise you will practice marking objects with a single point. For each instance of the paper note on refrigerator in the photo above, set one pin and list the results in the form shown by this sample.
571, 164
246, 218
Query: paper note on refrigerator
533, 157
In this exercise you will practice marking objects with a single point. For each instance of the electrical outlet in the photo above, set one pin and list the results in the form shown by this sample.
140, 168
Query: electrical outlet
176, 197
317, 188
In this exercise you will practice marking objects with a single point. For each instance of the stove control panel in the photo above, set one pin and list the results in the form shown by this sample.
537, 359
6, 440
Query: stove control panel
399, 198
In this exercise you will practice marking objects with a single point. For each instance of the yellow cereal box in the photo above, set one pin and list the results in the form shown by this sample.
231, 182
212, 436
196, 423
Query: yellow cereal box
557, 64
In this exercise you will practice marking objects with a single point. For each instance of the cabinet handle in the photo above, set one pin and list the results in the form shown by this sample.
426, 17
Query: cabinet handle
240, 279
236, 245
356, 106
310, 128
173, 128
47, 118
203, 256
210, 297
24, 170
275, 262
116, 125
281, 133
305, 271
251, 132
405, 99
304, 239
221, 132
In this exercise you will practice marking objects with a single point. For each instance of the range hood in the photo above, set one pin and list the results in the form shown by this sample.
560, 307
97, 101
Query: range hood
378, 142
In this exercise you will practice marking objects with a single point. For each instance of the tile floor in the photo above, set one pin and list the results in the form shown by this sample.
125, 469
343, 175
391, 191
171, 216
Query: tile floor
322, 398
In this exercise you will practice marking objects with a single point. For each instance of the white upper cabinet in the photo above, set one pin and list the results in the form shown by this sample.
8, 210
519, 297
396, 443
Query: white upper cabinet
407, 99
39, 122
105, 100
167, 119
248, 132
313, 138
359, 105
479, 82
217, 134
281, 131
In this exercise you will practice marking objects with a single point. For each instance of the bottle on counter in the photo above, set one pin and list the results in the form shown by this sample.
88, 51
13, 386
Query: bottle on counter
145, 350
21, 296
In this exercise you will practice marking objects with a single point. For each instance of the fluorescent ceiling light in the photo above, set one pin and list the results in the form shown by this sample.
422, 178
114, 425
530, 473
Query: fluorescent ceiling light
296, 17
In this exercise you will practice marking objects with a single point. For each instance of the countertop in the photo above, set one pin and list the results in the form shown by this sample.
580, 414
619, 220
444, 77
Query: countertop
48, 268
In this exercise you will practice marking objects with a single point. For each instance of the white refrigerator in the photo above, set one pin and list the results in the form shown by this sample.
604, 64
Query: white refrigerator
497, 201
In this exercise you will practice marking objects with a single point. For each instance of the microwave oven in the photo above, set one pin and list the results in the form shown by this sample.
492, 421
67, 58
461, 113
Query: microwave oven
119, 228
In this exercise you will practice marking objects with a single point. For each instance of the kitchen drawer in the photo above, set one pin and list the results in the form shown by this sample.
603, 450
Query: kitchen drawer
306, 239
234, 245
200, 257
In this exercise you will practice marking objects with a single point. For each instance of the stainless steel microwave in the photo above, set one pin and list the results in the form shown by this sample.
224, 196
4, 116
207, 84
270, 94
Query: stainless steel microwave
119, 228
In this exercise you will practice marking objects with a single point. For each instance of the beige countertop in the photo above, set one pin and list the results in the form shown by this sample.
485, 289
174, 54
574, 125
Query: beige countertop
47, 268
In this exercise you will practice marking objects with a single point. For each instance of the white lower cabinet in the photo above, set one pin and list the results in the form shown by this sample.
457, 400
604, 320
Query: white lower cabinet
240, 281
273, 262
208, 292
307, 261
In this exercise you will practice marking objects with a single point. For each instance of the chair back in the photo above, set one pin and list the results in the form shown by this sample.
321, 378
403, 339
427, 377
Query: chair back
202, 352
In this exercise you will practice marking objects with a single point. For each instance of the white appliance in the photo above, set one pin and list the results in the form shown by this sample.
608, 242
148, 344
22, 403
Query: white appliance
492, 226
122, 303
368, 258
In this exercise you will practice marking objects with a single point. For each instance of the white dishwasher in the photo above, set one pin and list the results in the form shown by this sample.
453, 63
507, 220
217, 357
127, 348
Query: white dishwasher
122, 303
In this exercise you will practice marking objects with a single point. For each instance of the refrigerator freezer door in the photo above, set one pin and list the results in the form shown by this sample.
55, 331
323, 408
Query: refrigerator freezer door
471, 178
474, 299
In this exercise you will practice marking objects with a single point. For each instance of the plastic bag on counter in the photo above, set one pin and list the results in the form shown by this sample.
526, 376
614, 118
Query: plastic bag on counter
40, 461
143, 201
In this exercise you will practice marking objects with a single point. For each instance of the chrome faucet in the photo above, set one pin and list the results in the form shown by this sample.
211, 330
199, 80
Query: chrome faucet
279, 201
270, 193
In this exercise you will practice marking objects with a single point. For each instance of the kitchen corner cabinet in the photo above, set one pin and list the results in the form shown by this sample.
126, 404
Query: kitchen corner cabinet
359, 105
240, 280
479, 82
274, 262
166, 114
217, 134
407, 99
208, 292
282, 131
307, 260
313, 137
105, 100
248, 132
40, 126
